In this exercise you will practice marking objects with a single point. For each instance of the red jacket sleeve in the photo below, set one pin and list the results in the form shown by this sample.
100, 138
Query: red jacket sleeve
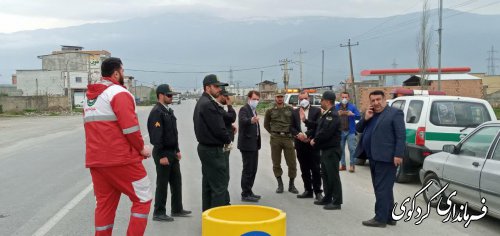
124, 109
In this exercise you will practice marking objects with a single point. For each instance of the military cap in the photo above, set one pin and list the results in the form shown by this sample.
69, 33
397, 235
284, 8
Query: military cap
165, 89
329, 95
212, 79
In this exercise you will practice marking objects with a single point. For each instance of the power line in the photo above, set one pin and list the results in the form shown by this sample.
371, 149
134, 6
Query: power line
403, 26
201, 72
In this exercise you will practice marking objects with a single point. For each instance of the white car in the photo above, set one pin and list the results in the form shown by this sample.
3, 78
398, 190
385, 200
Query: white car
471, 168
433, 121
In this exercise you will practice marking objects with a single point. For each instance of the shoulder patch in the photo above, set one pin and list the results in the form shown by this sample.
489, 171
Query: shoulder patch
157, 124
91, 102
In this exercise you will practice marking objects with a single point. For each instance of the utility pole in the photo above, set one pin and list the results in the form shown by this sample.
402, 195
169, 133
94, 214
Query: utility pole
237, 87
322, 67
394, 66
491, 61
70, 102
349, 45
285, 69
135, 89
231, 79
89, 81
301, 62
440, 31
261, 76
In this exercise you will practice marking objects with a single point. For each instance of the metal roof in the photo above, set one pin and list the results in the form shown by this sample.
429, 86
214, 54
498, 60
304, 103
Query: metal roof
413, 71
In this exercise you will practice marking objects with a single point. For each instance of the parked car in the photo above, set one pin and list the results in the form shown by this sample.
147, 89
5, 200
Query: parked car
293, 99
471, 167
176, 99
433, 121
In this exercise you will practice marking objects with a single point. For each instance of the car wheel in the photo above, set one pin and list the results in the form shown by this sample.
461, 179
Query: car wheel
433, 189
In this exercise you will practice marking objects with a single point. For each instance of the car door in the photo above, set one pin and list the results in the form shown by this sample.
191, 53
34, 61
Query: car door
490, 180
463, 169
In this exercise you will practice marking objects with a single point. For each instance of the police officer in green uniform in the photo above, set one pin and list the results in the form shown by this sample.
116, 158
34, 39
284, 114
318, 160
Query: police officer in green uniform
162, 128
229, 116
277, 122
212, 135
327, 140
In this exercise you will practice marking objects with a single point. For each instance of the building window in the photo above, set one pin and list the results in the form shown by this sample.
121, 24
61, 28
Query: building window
78, 79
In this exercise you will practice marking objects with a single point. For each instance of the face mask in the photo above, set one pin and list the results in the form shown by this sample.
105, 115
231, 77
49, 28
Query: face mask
344, 101
253, 104
304, 103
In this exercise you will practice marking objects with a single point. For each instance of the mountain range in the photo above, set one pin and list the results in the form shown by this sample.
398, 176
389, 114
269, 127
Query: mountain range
180, 49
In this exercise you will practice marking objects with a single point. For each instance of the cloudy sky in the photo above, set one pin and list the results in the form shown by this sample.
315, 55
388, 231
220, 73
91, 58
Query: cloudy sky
18, 15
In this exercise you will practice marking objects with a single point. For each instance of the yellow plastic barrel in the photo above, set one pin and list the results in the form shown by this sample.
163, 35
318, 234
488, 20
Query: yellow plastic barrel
243, 220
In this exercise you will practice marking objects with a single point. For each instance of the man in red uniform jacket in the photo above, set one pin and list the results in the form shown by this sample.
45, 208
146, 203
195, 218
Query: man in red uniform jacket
115, 150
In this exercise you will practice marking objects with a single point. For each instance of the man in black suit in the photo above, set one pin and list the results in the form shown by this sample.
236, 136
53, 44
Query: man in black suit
304, 122
383, 143
249, 145
327, 140
229, 116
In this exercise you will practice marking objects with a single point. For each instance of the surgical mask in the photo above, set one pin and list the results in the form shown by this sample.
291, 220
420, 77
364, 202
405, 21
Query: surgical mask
253, 104
344, 101
304, 103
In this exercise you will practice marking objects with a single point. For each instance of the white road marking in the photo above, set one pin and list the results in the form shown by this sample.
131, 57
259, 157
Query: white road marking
65, 210
61, 213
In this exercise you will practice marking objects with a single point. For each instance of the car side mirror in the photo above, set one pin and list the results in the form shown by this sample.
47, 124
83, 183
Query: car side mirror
450, 148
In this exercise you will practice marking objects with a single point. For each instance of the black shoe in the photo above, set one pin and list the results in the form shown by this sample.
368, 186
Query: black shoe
392, 222
319, 197
293, 190
255, 196
249, 199
280, 185
181, 213
322, 202
280, 189
374, 223
305, 194
163, 217
331, 206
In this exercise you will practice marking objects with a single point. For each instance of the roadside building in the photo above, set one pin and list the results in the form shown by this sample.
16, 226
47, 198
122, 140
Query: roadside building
64, 72
455, 81
267, 90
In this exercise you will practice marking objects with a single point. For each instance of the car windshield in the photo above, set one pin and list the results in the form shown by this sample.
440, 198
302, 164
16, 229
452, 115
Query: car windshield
458, 113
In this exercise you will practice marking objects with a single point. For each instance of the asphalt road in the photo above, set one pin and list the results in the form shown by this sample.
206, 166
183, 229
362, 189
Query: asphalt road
46, 190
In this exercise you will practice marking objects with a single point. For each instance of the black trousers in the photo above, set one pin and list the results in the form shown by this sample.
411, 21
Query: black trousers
330, 159
214, 169
383, 178
226, 158
166, 174
250, 163
309, 160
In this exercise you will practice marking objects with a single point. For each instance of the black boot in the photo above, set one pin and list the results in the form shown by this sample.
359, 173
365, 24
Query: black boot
280, 185
291, 187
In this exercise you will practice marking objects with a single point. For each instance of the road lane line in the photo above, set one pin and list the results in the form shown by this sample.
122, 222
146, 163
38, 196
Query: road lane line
61, 213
